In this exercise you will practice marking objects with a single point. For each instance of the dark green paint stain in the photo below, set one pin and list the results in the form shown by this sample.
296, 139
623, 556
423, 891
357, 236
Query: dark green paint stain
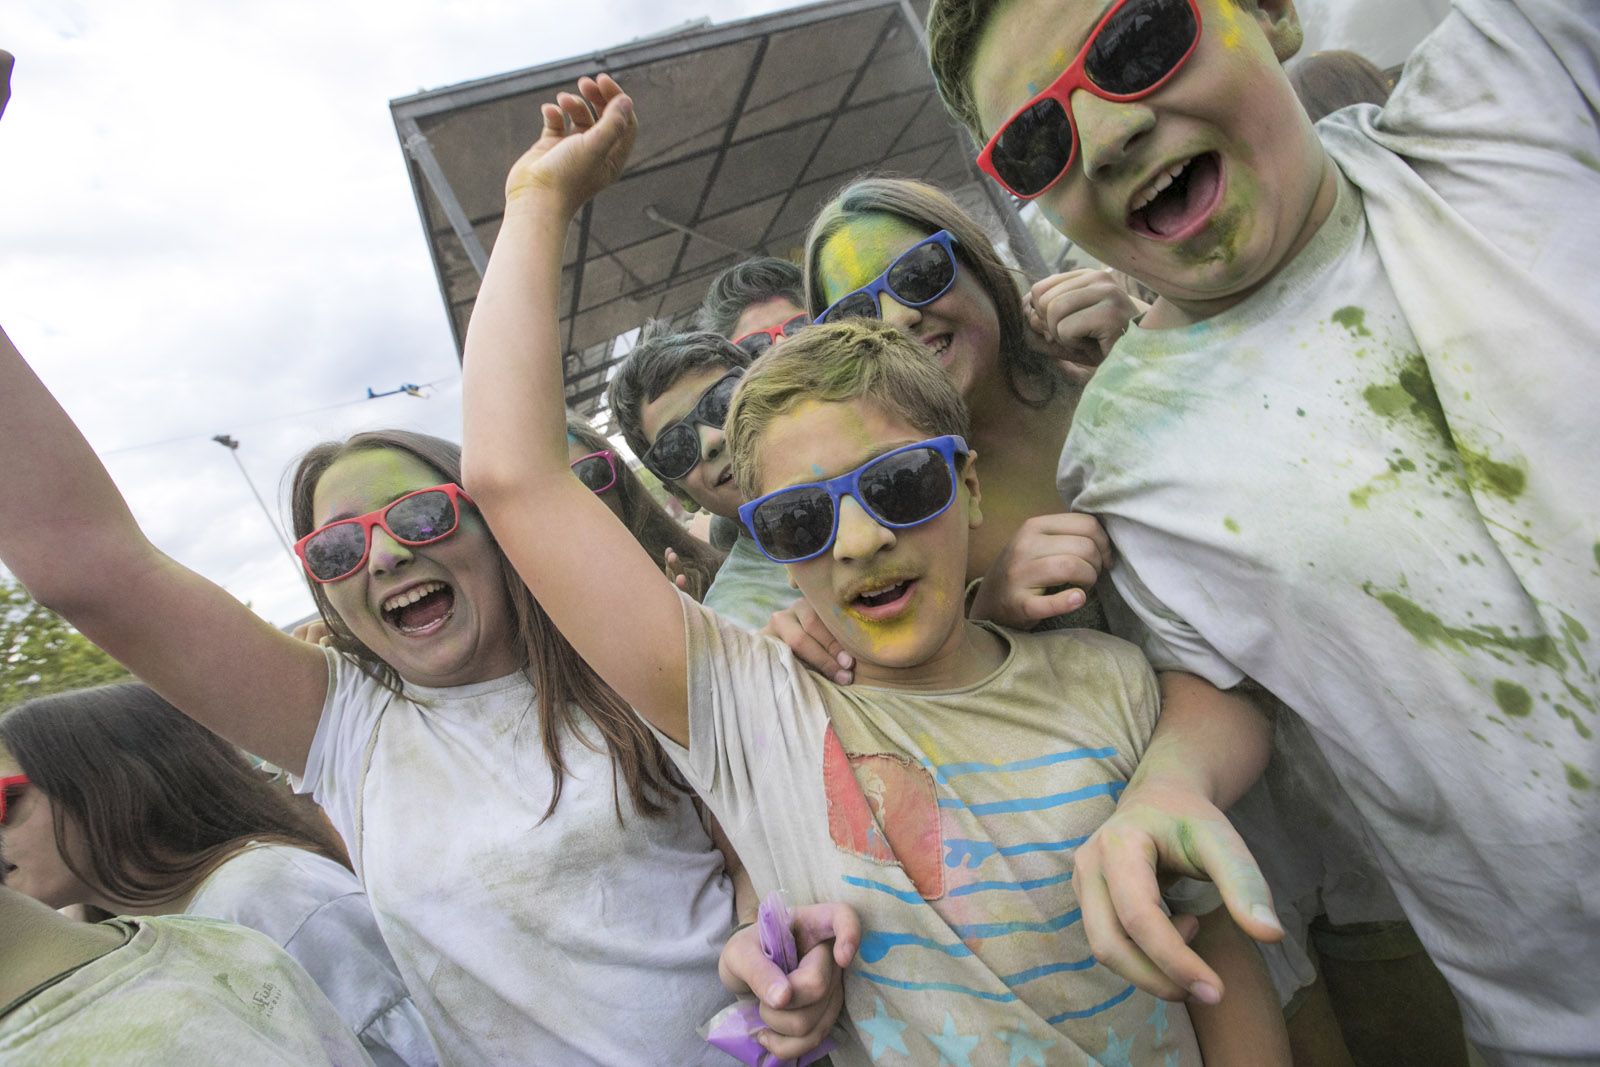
1230, 524
1512, 698
1353, 319
1577, 723
1411, 394
1302, 413
1480, 737
1576, 778
1597, 553
1430, 630
1489, 474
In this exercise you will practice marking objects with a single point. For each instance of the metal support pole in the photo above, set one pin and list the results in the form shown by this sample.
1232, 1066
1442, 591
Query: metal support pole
418, 148
661, 220
232, 445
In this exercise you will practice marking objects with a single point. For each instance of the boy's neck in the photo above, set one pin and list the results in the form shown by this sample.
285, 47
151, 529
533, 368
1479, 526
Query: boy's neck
971, 655
38, 944
1018, 454
1167, 314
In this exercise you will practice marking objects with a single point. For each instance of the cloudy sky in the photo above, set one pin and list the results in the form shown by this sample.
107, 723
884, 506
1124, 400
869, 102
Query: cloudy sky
205, 227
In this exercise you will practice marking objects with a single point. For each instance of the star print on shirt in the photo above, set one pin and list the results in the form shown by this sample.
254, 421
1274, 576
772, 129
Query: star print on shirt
953, 1047
1024, 1045
1158, 1019
1117, 1050
885, 1031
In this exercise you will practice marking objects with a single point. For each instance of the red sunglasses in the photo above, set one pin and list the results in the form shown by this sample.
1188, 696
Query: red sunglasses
597, 471
14, 784
758, 341
340, 548
1136, 48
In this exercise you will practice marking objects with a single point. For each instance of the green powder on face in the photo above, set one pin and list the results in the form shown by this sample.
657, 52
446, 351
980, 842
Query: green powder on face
1430, 630
1229, 524
1512, 698
1353, 319
1576, 778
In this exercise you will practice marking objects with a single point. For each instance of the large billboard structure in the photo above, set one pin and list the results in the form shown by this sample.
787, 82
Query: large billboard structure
746, 129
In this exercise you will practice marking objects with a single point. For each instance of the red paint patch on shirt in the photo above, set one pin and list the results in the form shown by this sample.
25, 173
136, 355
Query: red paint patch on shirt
883, 808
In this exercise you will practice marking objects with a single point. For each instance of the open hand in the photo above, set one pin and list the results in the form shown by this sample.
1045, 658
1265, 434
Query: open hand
1046, 553
802, 629
799, 1008
581, 149
1079, 315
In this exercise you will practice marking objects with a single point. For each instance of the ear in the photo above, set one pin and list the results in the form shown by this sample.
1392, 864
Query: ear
969, 478
1281, 24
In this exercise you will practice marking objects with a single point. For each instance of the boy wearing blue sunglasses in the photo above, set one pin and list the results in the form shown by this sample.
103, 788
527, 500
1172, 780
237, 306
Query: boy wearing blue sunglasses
942, 795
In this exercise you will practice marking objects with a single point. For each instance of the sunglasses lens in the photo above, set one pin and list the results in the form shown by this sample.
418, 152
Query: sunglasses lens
796, 324
755, 343
715, 404
908, 487
922, 274
675, 452
794, 525
336, 551
854, 306
1034, 148
594, 472
424, 517
1143, 43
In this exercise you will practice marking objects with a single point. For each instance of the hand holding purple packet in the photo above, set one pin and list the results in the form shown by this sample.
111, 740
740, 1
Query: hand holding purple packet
734, 1028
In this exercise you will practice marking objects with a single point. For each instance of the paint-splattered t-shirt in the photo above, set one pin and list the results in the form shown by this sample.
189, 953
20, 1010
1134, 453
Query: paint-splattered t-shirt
750, 587
182, 990
1374, 487
948, 821
577, 939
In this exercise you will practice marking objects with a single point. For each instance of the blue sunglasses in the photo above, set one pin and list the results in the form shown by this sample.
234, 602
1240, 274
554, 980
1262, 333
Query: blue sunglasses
899, 489
919, 276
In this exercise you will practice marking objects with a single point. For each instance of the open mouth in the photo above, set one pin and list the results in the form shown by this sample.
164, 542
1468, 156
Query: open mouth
883, 601
724, 478
1178, 201
939, 346
422, 609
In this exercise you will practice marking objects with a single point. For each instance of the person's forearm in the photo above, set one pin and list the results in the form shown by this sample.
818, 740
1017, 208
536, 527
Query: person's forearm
1207, 741
513, 409
1246, 1029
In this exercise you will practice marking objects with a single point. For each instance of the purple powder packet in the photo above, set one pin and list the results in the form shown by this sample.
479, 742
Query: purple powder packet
734, 1028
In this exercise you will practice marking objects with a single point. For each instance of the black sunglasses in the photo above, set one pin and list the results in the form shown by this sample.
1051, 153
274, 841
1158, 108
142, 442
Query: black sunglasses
676, 450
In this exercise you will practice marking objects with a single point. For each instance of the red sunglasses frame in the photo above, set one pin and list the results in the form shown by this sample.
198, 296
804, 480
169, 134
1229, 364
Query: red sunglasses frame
1072, 79
7, 784
380, 518
775, 332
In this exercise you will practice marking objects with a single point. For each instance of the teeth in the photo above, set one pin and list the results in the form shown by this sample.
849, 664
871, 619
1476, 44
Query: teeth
1153, 190
411, 596
939, 346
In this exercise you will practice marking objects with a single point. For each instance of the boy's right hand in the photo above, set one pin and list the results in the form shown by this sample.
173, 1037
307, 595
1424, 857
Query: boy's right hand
801, 628
1047, 552
1079, 315
581, 149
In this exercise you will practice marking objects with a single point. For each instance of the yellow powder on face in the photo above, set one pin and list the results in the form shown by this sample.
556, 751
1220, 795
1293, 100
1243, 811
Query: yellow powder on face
1232, 33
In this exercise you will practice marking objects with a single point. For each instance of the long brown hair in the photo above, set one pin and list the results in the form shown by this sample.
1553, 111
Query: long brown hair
158, 800
567, 687
647, 520
1031, 375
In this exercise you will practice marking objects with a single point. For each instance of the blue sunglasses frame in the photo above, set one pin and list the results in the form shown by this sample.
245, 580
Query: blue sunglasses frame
849, 484
880, 284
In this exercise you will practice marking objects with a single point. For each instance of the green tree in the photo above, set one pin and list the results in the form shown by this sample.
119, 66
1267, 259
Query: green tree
41, 654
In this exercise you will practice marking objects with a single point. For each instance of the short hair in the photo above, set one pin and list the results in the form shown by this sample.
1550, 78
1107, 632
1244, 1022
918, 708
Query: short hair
836, 363
655, 365
743, 285
1031, 375
1328, 81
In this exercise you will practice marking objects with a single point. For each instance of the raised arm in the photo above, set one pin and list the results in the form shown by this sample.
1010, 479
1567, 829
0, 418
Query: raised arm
67, 535
602, 589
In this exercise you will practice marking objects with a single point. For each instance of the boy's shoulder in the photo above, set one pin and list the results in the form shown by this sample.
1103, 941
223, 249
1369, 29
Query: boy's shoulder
1085, 670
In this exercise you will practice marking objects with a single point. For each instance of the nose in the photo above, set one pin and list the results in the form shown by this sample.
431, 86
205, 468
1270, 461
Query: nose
387, 554
1107, 131
897, 314
860, 536
712, 443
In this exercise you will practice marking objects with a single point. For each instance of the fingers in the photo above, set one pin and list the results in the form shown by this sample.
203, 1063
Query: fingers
743, 967
802, 630
1216, 848
1102, 925
1129, 877
816, 923
793, 1033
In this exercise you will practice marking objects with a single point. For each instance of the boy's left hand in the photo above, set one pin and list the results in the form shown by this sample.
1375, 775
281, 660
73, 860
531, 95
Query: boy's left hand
808, 637
1047, 552
581, 149
1080, 315
799, 1008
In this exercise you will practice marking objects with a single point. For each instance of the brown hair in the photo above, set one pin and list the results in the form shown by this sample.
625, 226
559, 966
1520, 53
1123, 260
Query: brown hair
159, 800
1032, 376
567, 687
1328, 81
837, 363
647, 520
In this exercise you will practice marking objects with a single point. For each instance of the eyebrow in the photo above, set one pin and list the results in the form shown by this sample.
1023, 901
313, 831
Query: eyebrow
876, 453
343, 515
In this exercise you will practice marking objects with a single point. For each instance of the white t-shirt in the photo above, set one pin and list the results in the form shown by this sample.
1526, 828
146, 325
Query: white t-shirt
948, 821
1374, 487
315, 910
183, 990
575, 940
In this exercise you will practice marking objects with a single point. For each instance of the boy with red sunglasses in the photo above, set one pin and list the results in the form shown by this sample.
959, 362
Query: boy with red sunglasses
755, 303
941, 796
1330, 457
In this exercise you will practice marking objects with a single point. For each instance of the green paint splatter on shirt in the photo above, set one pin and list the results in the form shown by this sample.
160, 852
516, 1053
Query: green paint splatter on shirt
1577, 724
1597, 553
1353, 319
1412, 393
1230, 524
1576, 778
1512, 698
1489, 474
1430, 630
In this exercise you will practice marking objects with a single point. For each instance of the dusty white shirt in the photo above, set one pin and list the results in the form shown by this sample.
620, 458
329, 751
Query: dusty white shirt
183, 990
576, 940
1374, 487
314, 909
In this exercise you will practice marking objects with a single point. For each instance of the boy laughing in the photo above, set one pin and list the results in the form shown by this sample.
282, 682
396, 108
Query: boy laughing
1349, 453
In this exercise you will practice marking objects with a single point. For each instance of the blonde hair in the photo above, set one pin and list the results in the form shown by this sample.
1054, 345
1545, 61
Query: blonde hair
833, 364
